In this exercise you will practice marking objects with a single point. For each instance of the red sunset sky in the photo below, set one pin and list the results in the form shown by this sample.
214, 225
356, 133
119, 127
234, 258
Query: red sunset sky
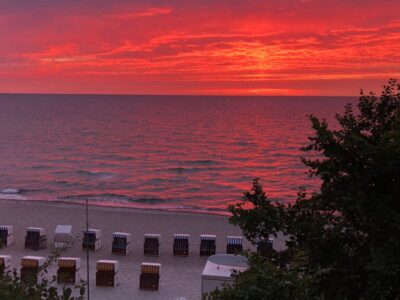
270, 47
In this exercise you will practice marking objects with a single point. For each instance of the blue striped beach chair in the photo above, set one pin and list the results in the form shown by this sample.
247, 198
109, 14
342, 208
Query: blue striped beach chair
121, 243
181, 244
207, 244
35, 238
234, 244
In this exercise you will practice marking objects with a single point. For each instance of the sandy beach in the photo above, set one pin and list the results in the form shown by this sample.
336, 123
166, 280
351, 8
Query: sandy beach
180, 276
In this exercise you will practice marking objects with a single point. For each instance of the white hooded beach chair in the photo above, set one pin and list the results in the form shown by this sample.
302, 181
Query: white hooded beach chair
181, 244
6, 235
91, 239
150, 276
32, 269
207, 244
234, 244
63, 236
121, 243
35, 238
107, 273
5, 264
68, 271
152, 244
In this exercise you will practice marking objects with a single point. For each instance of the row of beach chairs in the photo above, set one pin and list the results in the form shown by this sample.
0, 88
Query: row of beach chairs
68, 271
36, 239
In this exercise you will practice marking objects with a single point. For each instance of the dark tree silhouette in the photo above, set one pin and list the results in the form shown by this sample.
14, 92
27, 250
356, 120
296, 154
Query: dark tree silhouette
345, 238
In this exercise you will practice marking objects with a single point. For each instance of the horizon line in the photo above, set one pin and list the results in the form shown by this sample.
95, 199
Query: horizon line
173, 95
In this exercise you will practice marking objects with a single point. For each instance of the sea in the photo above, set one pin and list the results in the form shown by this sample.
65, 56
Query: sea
180, 153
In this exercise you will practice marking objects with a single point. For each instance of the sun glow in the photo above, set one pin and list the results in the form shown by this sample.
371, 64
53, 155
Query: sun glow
188, 48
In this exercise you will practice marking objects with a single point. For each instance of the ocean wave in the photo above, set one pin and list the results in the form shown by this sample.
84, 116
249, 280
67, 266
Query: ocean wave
9, 191
99, 197
194, 169
68, 183
12, 197
201, 162
97, 174
115, 198
244, 144
145, 200
152, 181
39, 190
40, 167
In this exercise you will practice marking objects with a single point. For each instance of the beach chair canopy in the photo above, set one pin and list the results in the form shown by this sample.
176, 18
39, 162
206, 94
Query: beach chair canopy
234, 240
150, 268
152, 235
122, 235
266, 241
69, 262
208, 237
107, 265
180, 236
93, 233
9, 229
39, 230
63, 233
32, 261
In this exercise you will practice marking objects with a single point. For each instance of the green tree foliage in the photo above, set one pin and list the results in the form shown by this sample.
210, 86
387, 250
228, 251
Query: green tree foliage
345, 238
12, 287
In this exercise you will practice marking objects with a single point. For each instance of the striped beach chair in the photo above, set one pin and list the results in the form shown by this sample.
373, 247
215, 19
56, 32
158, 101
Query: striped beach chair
6, 235
234, 244
5, 264
181, 244
265, 247
68, 270
32, 269
207, 244
150, 276
35, 238
107, 273
151, 245
91, 239
121, 243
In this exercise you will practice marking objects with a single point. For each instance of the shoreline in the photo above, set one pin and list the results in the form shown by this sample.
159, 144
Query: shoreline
116, 206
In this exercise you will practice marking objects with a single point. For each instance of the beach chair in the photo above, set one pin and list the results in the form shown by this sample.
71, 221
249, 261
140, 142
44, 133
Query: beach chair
181, 244
152, 244
6, 235
63, 236
5, 264
32, 269
150, 276
207, 244
107, 273
35, 238
91, 239
264, 247
234, 244
68, 270
121, 243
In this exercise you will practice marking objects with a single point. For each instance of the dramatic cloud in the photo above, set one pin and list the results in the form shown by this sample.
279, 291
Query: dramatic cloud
199, 47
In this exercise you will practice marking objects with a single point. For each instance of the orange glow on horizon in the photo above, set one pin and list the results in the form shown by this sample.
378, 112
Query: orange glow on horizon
290, 47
